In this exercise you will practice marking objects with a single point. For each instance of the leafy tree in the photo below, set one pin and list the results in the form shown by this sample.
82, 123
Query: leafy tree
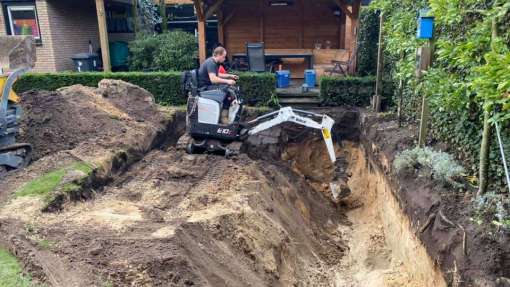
171, 51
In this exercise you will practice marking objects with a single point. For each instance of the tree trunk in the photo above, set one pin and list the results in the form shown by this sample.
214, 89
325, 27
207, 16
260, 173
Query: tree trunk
380, 67
483, 179
484, 155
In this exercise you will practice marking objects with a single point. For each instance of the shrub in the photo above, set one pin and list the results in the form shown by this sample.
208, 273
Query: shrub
439, 165
367, 42
165, 86
257, 89
171, 51
353, 91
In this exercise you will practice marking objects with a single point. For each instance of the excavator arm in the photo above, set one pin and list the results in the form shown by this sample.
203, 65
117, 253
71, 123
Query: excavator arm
300, 117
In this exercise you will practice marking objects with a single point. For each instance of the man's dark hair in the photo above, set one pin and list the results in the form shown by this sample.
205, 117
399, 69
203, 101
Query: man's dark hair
219, 51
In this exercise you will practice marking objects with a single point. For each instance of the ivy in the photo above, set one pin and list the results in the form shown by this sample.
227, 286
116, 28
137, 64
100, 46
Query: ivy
470, 71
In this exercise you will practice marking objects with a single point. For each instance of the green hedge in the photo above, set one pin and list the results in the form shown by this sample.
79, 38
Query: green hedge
352, 91
258, 89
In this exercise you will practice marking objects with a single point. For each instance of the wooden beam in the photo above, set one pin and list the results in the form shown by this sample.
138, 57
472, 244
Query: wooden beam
344, 7
199, 8
302, 28
262, 23
211, 10
356, 6
164, 19
202, 47
221, 29
103, 35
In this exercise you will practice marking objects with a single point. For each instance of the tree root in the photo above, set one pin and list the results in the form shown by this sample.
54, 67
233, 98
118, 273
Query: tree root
428, 222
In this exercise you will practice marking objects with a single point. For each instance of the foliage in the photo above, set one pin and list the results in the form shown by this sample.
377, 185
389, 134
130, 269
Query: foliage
11, 273
171, 51
257, 89
47, 183
368, 38
468, 74
165, 86
353, 91
494, 207
440, 165
148, 15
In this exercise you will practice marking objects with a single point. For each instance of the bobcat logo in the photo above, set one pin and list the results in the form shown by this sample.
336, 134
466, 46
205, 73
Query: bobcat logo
223, 131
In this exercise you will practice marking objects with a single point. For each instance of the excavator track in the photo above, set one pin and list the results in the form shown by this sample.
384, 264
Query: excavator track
21, 151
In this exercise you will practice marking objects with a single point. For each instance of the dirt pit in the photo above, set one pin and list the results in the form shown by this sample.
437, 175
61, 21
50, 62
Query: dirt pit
155, 216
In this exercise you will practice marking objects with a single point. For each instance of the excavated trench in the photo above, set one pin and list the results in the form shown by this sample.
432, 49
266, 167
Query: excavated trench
280, 214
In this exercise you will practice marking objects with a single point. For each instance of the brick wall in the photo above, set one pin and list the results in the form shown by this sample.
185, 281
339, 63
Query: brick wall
45, 58
72, 25
2, 22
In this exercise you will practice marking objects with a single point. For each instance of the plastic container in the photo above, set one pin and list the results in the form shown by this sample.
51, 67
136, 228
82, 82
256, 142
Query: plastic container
282, 79
310, 78
85, 62
119, 54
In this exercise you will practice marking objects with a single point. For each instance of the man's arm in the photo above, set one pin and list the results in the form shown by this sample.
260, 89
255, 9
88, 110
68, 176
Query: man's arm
228, 76
220, 80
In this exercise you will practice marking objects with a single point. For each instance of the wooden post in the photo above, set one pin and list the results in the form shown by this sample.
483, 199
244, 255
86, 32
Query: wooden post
401, 87
221, 28
103, 35
202, 47
483, 176
262, 22
376, 101
164, 19
134, 10
356, 6
425, 63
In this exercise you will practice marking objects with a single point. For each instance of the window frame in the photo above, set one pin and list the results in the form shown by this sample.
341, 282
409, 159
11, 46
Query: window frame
8, 6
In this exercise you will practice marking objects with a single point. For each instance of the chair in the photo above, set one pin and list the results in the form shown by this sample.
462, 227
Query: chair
338, 66
256, 57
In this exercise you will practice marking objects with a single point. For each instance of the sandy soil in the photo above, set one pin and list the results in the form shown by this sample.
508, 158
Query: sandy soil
155, 216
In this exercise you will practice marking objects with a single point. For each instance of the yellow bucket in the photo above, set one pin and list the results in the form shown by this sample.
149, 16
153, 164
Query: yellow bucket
12, 95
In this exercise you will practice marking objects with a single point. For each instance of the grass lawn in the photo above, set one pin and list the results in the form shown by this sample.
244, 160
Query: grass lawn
11, 273
47, 183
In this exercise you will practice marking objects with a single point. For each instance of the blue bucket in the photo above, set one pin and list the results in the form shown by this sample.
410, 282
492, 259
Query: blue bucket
282, 79
310, 78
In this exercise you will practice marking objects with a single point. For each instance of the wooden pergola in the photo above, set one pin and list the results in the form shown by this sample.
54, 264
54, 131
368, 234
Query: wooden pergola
225, 12
241, 21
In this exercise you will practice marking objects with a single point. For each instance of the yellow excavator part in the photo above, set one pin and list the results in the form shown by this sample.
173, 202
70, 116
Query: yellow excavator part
12, 95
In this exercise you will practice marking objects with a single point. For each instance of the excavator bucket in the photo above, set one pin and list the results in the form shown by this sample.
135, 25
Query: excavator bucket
300, 117
16, 52
17, 56
327, 125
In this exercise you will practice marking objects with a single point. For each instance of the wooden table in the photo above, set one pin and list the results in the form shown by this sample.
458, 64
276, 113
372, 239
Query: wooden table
276, 54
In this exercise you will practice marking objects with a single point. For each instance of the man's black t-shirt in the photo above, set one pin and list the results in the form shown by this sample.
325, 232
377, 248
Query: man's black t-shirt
209, 66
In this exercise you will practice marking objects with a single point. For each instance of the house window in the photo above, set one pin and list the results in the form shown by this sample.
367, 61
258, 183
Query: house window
21, 19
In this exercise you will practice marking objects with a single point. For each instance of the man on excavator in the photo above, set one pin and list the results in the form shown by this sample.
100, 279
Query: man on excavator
209, 78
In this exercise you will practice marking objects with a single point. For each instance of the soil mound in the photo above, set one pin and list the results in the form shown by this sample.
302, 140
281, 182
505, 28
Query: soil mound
60, 120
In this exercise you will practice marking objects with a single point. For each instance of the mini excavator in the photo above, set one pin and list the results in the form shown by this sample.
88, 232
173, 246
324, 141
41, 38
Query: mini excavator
17, 56
208, 131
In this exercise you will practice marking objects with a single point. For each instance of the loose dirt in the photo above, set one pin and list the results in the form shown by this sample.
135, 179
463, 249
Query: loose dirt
62, 120
151, 215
